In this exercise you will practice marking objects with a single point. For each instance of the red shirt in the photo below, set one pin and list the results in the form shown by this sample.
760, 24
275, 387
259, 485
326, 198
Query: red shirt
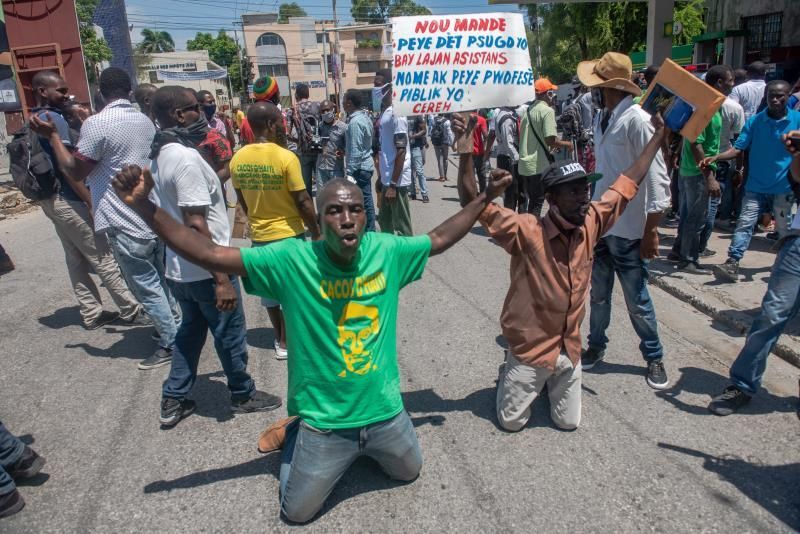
479, 136
215, 149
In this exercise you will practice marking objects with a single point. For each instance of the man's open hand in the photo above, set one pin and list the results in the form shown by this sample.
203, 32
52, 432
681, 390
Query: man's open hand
133, 185
391, 194
499, 180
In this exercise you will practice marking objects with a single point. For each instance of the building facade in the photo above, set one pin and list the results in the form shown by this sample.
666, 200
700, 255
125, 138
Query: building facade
196, 61
739, 32
301, 52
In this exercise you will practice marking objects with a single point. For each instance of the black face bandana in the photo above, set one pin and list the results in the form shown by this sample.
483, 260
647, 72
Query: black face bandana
190, 136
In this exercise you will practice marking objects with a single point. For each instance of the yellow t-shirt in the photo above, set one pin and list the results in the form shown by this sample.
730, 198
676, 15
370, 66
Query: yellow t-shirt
239, 117
267, 174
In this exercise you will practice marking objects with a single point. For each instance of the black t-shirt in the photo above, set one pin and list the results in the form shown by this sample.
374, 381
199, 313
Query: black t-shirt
418, 125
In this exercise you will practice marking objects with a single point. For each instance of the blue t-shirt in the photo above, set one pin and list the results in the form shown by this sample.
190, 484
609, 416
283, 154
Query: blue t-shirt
67, 193
769, 160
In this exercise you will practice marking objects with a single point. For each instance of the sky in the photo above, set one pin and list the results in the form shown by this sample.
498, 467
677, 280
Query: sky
184, 18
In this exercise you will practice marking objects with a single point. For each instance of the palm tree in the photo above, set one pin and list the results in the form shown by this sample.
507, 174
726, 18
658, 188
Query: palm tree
156, 41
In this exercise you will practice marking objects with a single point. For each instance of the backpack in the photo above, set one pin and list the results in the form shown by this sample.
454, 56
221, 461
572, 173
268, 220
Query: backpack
437, 132
31, 167
307, 126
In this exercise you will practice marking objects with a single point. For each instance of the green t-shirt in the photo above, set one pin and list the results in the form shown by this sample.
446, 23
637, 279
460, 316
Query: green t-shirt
709, 139
341, 323
532, 155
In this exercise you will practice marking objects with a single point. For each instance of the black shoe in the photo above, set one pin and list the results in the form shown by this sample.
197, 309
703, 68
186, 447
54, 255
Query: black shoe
160, 357
259, 402
173, 410
412, 197
590, 357
425, 199
691, 268
674, 257
707, 253
772, 236
28, 466
140, 319
11, 503
729, 401
103, 319
728, 271
657, 375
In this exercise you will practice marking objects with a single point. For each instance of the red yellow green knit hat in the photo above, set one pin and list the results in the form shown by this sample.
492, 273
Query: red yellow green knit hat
265, 89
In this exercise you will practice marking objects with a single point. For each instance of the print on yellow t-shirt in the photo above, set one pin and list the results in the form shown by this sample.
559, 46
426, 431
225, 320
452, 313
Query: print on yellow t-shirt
267, 175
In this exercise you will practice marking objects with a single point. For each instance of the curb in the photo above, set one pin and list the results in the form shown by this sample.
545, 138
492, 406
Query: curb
726, 317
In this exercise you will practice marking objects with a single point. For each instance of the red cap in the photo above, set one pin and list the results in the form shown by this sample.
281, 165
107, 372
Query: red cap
543, 85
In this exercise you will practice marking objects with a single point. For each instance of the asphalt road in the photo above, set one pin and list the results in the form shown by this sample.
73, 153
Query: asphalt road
641, 460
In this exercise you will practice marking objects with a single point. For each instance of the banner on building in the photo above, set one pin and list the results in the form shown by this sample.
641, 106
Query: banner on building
444, 64
180, 76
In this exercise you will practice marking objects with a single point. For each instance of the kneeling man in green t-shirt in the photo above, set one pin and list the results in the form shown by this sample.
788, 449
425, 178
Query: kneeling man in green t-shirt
339, 296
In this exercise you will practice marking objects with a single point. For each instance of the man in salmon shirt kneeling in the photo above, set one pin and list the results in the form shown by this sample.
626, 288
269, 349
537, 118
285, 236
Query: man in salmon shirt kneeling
551, 265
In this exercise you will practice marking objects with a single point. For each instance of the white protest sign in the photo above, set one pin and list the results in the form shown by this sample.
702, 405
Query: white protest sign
443, 64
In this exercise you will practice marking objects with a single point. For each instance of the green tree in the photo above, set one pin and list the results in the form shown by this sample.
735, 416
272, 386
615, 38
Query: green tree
95, 49
290, 10
224, 51
379, 11
569, 33
155, 41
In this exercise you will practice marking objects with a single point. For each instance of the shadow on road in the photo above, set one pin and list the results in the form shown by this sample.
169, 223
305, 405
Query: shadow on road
702, 381
255, 467
212, 396
135, 344
773, 487
261, 337
62, 318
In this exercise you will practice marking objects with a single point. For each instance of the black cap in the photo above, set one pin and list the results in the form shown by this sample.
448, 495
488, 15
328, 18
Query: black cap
562, 172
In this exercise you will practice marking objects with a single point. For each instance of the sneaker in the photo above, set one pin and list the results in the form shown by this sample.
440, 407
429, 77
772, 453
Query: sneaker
672, 223
729, 401
691, 268
11, 503
103, 319
773, 236
425, 199
590, 357
280, 352
657, 375
412, 197
259, 402
728, 271
173, 410
674, 257
707, 253
160, 357
28, 466
140, 319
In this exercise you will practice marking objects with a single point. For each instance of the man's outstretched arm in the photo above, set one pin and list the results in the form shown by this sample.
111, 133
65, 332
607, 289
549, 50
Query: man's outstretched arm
133, 186
456, 227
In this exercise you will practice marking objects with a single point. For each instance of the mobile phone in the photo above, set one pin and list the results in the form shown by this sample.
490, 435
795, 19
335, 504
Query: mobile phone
795, 142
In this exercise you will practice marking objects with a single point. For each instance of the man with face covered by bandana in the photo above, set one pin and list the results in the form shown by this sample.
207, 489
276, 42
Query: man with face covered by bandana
330, 162
189, 190
209, 109
340, 296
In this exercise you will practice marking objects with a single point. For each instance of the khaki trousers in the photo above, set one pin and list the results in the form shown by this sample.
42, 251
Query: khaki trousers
394, 217
86, 252
519, 384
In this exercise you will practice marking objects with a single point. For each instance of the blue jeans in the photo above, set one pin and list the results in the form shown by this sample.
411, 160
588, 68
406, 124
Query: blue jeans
364, 181
308, 165
621, 256
693, 207
142, 264
324, 176
753, 205
200, 314
314, 460
11, 449
721, 205
418, 172
780, 305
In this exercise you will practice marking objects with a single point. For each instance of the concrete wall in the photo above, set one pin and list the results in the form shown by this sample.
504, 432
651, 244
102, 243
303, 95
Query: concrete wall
727, 14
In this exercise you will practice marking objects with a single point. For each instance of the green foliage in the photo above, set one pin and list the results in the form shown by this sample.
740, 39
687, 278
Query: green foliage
369, 43
155, 41
223, 51
95, 49
290, 10
379, 11
571, 33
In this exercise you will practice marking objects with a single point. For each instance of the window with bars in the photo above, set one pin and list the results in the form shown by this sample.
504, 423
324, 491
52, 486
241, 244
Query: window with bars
764, 31
273, 70
369, 67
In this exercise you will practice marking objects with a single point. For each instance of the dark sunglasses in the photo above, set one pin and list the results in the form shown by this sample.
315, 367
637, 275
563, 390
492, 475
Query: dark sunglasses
192, 107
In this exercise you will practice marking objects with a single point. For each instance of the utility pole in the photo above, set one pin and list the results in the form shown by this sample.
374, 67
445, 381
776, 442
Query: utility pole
337, 59
325, 62
245, 81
